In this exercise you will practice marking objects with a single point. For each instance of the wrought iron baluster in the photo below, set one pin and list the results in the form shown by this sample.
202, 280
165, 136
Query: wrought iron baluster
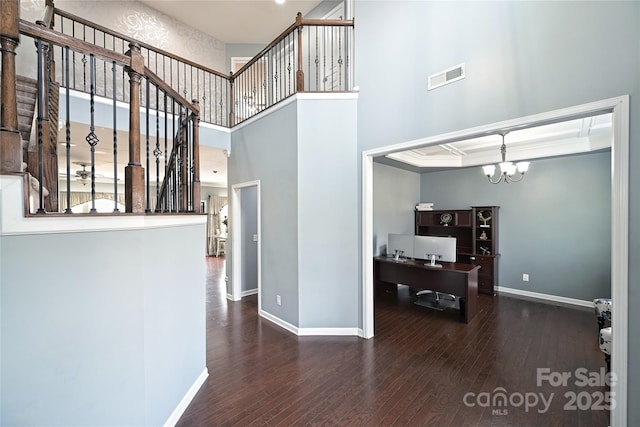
68, 129
115, 140
340, 70
73, 31
317, 61
84, 61
41, 94
91, 138
157, 152
146, 110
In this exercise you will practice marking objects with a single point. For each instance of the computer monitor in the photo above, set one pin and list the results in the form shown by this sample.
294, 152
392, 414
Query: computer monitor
442, 248
400, 242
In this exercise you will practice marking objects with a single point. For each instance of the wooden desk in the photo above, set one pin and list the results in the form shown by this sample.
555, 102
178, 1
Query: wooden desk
453, 278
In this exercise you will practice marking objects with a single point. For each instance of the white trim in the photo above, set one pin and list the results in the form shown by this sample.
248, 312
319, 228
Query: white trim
619, 213
249, 292
545, 297
186, 400
14, 222
334, 332
235, 215
278, 321
620, 256
301, 332
293, 98
367, 246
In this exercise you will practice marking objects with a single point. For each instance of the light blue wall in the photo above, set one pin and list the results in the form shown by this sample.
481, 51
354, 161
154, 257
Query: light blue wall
328, 226
521, 58
395, 195
309, 208
94, 334
265, 150
555, 224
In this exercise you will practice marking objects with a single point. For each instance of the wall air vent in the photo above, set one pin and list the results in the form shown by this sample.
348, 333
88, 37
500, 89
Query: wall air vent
447, 76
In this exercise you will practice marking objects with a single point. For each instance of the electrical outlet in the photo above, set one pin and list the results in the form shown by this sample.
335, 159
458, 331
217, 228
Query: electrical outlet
255, 237
525, 277
278, 300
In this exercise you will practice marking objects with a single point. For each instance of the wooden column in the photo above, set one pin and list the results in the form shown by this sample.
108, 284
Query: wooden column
299, 72
134, 172
232, 111
196, 156
10, 143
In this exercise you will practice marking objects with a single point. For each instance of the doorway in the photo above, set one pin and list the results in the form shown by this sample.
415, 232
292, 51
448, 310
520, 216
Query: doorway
619, 106
245, 241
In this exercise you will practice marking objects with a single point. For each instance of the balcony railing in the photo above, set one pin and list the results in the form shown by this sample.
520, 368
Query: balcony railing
167, 97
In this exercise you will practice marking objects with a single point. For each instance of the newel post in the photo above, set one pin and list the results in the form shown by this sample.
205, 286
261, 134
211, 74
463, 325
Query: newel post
196, 156
299, 72
134, 172
10, 141
232, 111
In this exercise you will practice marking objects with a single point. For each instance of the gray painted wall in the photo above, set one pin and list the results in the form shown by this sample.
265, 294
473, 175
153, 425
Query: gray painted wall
328, 226
309, 216
522, 58
555, 224
395, 195
249, 218
265, 150
93, 334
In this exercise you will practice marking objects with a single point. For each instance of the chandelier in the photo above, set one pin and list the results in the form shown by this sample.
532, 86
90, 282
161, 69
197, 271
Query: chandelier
509, 171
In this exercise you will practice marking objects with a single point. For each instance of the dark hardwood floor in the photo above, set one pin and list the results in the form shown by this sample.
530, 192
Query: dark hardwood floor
416, 371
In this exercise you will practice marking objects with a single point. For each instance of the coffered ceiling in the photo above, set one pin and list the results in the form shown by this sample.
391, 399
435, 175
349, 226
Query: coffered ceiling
569, 137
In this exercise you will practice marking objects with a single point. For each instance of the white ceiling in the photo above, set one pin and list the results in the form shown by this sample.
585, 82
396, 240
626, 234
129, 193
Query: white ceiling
236, 21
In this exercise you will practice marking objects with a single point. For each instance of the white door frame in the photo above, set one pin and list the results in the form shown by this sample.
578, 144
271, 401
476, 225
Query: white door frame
619, 106
235, 215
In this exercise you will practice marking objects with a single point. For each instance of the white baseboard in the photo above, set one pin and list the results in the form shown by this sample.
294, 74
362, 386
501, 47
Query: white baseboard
545, 297
350, 332
278, 321
186, 400
230, 297
249, 292
311, 331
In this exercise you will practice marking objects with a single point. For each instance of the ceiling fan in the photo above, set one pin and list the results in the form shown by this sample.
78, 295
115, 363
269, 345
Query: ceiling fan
84, 175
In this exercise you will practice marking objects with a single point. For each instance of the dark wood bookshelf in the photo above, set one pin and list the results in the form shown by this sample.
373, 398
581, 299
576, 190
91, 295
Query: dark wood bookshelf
476, 233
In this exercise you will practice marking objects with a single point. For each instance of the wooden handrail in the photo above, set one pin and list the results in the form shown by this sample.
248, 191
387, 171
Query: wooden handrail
141, 44
51, 36
299, 23
162, 85
327, 22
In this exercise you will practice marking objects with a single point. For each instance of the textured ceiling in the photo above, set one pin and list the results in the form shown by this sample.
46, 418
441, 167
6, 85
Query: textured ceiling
236, 21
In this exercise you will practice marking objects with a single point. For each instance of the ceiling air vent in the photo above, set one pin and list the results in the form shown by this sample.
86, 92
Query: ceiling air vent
447, 76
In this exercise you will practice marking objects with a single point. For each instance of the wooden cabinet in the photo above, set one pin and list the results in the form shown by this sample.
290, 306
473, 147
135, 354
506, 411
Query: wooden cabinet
485, 247
476, 233
450, 223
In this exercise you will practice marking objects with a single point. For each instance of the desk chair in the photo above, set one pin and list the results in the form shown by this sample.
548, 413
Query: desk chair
436, 303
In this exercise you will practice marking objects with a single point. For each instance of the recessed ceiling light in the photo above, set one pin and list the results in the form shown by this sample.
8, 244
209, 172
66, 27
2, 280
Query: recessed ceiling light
280, 1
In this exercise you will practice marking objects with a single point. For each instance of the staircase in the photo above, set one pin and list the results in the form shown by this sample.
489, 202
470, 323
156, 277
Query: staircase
26, 91
26, 94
